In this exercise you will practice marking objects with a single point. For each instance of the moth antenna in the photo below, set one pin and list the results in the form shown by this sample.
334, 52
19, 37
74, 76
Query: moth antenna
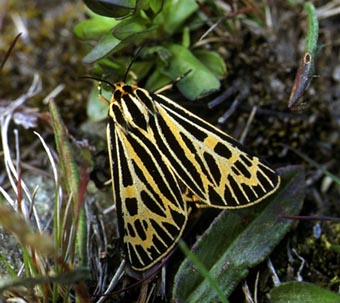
131, 62
99, 80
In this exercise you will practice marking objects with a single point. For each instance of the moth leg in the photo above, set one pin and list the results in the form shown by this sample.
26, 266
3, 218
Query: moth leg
100, 95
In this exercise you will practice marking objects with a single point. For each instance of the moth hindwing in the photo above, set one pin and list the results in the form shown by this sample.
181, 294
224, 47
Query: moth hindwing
162, 157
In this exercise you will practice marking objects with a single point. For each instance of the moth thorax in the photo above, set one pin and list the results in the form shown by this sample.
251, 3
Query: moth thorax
133, 112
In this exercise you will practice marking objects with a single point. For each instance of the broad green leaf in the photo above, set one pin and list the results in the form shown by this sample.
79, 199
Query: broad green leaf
204, 272
238, 240
105, 66
97, 110
94, 28
126, 33
128, 27
302, 292
112, 8
156, 81
198, 80
213, 61
175, 13
105, 46
156, 5
135, 38
140, 70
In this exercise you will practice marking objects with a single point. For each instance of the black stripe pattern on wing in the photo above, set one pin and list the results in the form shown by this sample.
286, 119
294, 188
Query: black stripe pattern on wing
223, 168
163, 156
150, 206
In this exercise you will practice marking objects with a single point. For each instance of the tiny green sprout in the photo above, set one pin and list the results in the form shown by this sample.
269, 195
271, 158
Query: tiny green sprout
305, 72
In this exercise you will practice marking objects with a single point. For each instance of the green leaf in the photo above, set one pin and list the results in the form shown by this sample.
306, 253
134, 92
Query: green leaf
213, 61
313, 28
128, 33
94, 28
301, 292
175, 13
135, 38
156, 81
129, 27
305, 72
239, 240
105, 46
112, 8
204, 272
66, 154
75, 182
156, 5
96, 110
140, 68
198, 80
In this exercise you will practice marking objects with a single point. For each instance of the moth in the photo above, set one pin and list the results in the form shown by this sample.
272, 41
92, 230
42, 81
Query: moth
163, 158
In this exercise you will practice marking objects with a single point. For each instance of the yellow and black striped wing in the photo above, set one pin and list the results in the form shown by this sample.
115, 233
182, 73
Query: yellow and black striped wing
150, 206
215, 167
162, 156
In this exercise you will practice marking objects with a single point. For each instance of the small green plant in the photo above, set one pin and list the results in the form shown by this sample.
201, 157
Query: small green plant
305, 72
53, 257
155, 27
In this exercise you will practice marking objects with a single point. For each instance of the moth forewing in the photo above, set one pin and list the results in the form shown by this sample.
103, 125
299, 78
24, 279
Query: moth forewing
213, 165
162, 156
150, 206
